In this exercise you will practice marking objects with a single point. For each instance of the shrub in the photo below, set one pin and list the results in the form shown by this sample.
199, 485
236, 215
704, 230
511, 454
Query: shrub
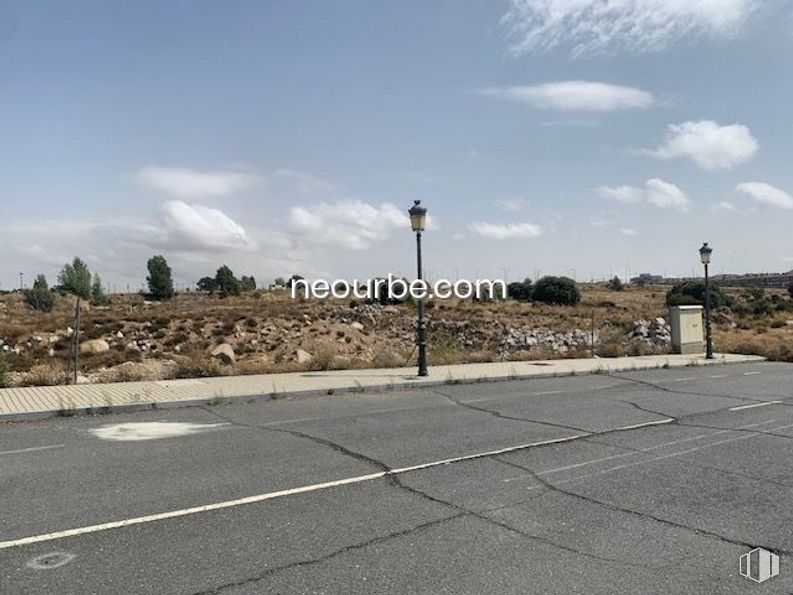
616, 284
44, 375
160, 280
76, 278
98, 297
207, 284
556, 290
227, 283
247, 283
520, 290
790, 290
692, 293
40, 297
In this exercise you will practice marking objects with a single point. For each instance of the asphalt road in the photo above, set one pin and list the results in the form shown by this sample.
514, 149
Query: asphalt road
644, 482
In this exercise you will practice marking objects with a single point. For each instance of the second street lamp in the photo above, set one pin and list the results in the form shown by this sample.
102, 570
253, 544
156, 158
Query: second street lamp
704, 255
418, 222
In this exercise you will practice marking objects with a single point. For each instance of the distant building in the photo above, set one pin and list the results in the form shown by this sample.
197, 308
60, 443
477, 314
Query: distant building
647, 279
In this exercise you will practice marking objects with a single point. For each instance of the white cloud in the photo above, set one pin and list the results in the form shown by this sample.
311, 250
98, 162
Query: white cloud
187, 183
724, 206
197, 227
349, 224
627, 231
708, 144
510, 204
766, 194
655, 192
628, 195
506, 231
597, 26
575, 96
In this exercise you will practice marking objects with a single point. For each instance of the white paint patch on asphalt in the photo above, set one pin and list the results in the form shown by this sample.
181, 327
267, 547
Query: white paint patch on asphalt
718, 376
31, 449
299, 490
50, 561
751, 373
155, 430
754, 405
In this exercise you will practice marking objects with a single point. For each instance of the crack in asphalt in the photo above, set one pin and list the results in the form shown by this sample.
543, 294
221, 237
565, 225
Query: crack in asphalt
672, 391
621, 509
502, 415
329, 556
395, 481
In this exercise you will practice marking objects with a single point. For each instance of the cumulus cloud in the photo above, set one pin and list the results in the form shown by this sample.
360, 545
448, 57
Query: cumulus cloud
627, 231
349, 224
708, 144
505, 231
575, 96
187, 183
766, 194
195, 226
596, 26
655, 192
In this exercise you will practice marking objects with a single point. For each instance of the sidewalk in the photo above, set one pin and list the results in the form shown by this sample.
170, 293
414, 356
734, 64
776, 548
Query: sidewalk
48, 401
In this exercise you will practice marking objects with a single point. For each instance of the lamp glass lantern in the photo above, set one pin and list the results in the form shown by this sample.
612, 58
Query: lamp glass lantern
418, 216
704, 253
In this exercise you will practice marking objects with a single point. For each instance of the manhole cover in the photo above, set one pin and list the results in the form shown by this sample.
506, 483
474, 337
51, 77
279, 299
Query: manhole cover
50, 561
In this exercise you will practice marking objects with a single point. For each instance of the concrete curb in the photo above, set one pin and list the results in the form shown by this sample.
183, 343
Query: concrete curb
354, 388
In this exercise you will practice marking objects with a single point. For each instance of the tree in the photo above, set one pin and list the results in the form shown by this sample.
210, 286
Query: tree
98, 297
248, 283
279, 282
615, 284
159, 279
40, 297
520, 290
76, 278
790, 290
207, 284
227, 283
692, 293
556, 290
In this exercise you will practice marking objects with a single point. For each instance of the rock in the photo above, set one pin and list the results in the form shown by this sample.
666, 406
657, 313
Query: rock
94, 346
119, 335
303, 357
224, 353
357, 326
54, 339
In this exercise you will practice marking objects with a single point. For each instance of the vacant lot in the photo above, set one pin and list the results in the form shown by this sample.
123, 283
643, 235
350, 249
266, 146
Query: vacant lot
135, 339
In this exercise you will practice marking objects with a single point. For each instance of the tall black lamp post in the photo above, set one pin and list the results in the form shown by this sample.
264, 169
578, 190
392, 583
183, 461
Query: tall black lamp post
418, 221
704, 254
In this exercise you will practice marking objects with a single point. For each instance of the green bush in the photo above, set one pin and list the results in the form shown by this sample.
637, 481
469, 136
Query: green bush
616, 284
98, 297
76, 278
520, 290
227, 283
692, 293
4, 369
160, 280
40, 297
556, 290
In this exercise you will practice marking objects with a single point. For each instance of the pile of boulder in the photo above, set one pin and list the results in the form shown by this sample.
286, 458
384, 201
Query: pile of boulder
524, 339
655, 332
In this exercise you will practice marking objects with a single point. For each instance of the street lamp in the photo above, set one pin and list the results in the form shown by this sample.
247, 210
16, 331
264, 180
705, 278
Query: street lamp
418, 221
704, 255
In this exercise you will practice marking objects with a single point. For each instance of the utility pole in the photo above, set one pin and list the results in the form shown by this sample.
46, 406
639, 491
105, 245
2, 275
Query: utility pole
21, 283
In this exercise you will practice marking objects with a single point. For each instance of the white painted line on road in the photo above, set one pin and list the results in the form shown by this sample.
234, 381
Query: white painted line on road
32, 449
718, 376
751, 373
636, 452
294, 491
547, 392
754, 405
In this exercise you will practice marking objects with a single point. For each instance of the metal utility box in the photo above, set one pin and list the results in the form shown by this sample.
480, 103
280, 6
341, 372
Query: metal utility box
687, 332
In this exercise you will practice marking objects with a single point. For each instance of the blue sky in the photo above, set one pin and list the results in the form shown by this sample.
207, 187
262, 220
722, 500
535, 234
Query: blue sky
546, 136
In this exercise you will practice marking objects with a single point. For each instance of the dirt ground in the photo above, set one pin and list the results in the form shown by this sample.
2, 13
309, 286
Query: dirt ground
262, 332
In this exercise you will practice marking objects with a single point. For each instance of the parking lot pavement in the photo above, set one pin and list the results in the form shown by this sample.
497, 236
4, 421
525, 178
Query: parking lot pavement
633, 482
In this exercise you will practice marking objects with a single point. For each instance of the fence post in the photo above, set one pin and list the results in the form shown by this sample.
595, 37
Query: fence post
76, 340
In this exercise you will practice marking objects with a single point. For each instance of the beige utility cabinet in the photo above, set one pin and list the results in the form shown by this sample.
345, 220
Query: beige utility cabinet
687, 332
